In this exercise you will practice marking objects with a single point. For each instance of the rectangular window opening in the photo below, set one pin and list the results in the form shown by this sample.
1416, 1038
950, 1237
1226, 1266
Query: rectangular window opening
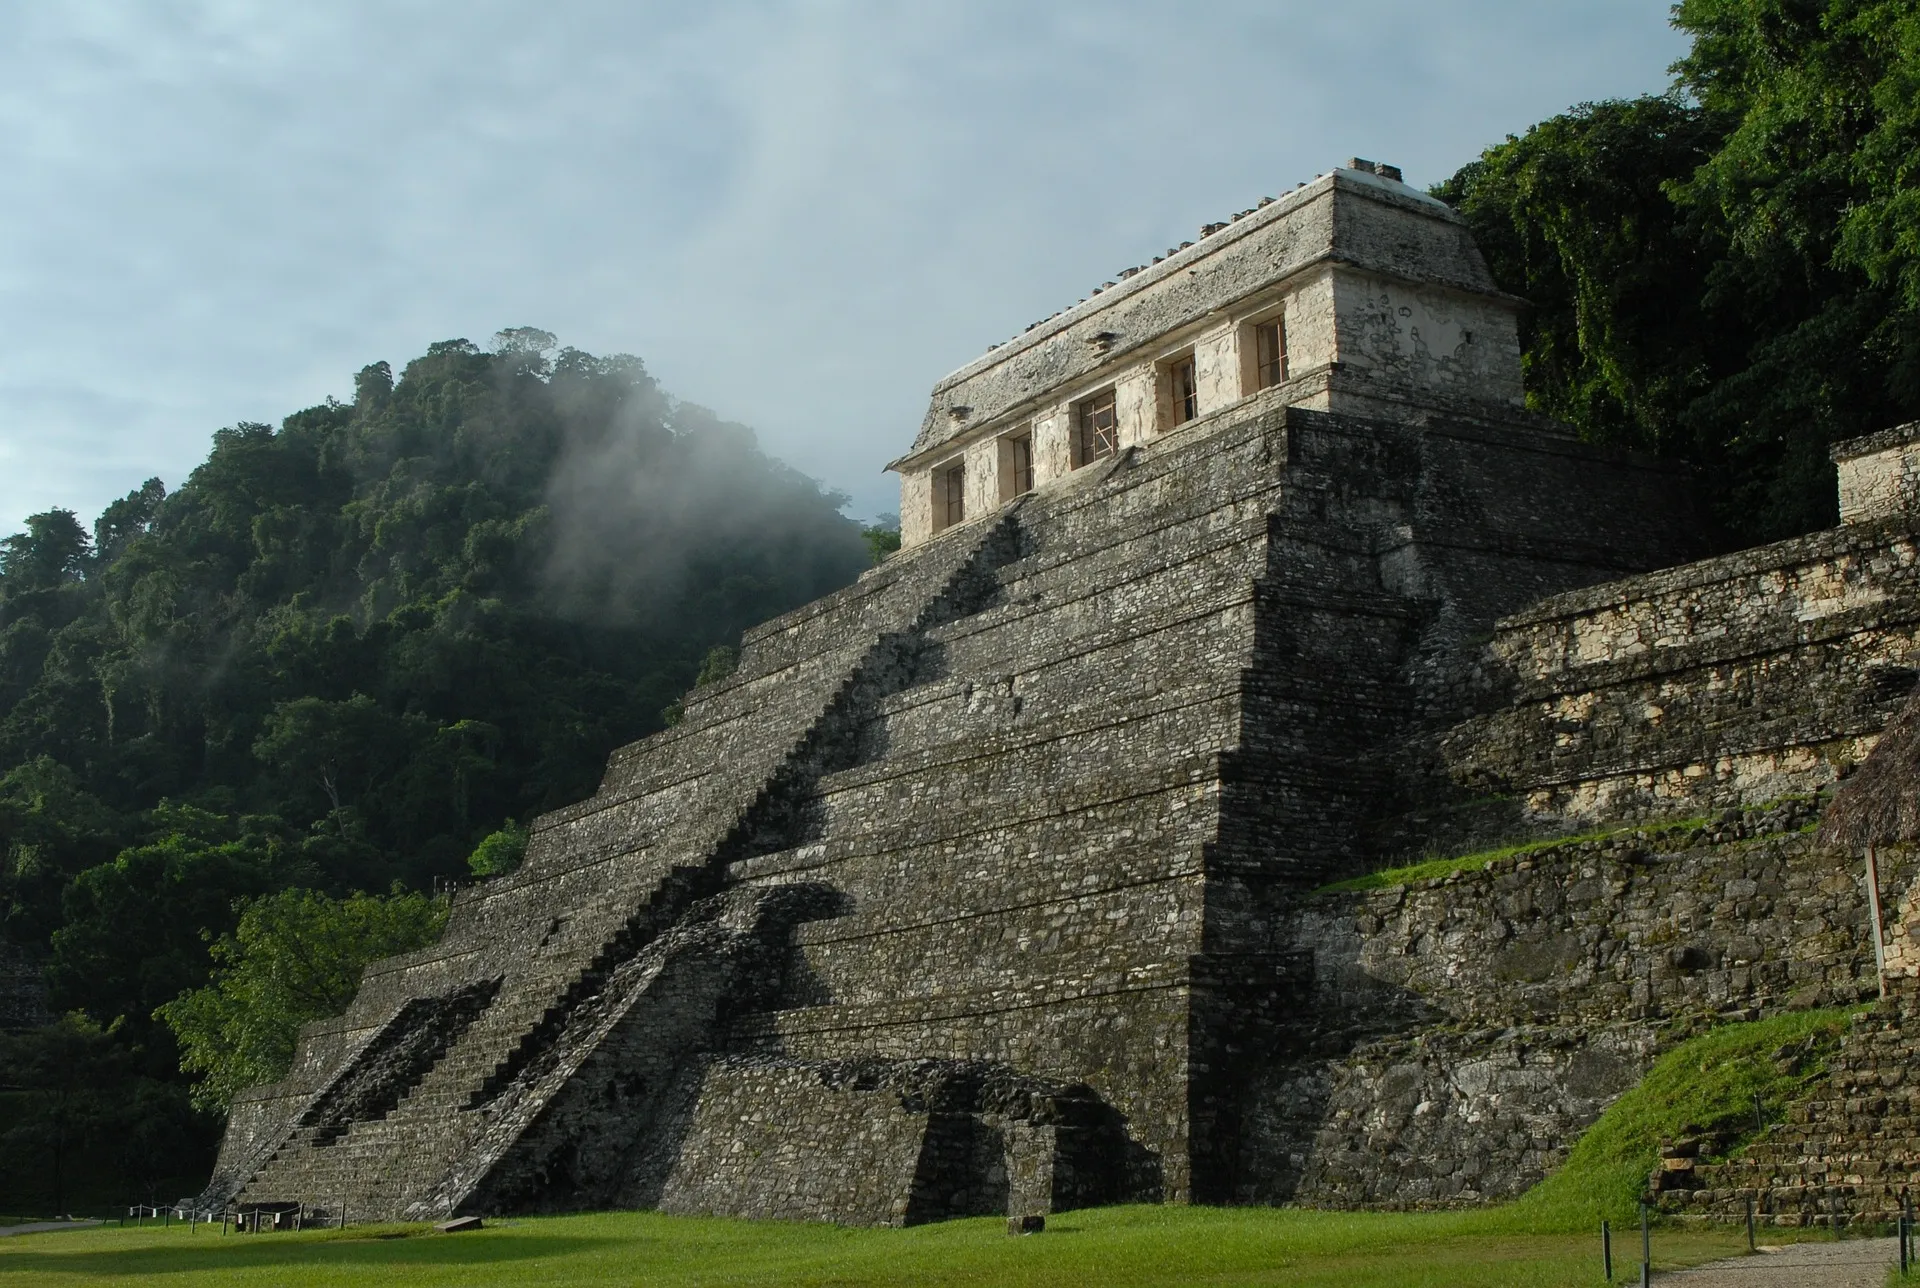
949, 496
1184, 389
1016, 465
1270, 353
1096, 429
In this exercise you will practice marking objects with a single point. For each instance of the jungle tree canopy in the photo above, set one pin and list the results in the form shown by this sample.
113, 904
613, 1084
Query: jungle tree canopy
347, 649
1730, 274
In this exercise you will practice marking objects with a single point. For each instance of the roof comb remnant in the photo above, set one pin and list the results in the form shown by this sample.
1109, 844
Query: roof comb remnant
1380, 168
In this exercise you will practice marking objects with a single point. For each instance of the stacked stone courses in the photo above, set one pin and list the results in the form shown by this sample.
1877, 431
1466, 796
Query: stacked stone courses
1848, 1154
1748, 677
993, 882
1467, 1027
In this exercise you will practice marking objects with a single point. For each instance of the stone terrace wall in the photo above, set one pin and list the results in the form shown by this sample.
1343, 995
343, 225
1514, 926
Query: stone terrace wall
1059, 848
1462, 1031
1734, 680
1845, 1155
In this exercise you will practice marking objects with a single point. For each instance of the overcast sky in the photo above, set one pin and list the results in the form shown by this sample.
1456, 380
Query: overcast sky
799, 214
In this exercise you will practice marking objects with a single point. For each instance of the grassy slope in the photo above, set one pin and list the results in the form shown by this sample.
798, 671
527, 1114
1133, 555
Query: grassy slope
1703, 1087
1429, 869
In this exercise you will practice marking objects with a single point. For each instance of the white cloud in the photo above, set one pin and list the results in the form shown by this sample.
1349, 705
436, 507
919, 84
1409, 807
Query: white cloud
801, 213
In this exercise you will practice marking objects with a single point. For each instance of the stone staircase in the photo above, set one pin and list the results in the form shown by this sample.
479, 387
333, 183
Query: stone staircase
428, 1113
1843, 1156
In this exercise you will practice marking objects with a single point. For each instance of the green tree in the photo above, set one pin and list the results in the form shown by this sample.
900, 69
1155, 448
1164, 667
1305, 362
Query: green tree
132, 932
882, 538
63, 1070
347, 648
500, 853
294, 956
52, 552
343, 747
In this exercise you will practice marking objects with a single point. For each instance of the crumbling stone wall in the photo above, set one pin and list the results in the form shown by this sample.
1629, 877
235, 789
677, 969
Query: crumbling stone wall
1880, 476
1845, 1155
878, 1142
1463, 1030
1748, 677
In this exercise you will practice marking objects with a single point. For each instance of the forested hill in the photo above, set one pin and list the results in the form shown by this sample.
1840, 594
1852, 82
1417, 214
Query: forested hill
346, 650
1727, 274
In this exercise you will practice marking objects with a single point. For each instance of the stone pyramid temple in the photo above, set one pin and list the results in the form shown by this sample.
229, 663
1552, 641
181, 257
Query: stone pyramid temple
987, 884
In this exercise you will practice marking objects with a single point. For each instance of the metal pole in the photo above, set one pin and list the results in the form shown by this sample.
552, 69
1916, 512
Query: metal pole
1646, 1249
1606, 1249
1749, 1223
1879, 939
1759, 1120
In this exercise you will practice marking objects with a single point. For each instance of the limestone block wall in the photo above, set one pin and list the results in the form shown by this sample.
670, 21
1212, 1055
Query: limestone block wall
772, 1142
876, 1142
1167, 714
600, 880
1738, 679
1057, 775
1364, 272
1879, 476
1419, 335
1845, 1155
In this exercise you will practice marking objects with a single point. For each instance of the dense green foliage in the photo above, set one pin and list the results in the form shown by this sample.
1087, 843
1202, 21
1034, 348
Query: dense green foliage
82, 1114
295, 956
349, 652
1728, 275
499, 852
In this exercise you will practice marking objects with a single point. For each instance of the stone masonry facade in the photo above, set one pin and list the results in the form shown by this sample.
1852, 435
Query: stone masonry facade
994, 883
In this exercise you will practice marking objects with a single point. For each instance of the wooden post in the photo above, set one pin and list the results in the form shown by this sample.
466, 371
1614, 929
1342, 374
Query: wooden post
1646, 1250
1879, 936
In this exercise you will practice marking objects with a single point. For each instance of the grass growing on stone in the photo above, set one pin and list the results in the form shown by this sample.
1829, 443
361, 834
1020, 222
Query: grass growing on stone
1479, 860
1704, 1087
1120, 1247
1428, 869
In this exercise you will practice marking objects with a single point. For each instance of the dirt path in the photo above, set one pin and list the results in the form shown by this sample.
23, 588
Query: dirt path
1850, 1263
41, 1227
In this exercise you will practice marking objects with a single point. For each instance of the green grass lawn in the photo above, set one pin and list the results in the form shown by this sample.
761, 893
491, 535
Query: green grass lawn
1107, 1246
